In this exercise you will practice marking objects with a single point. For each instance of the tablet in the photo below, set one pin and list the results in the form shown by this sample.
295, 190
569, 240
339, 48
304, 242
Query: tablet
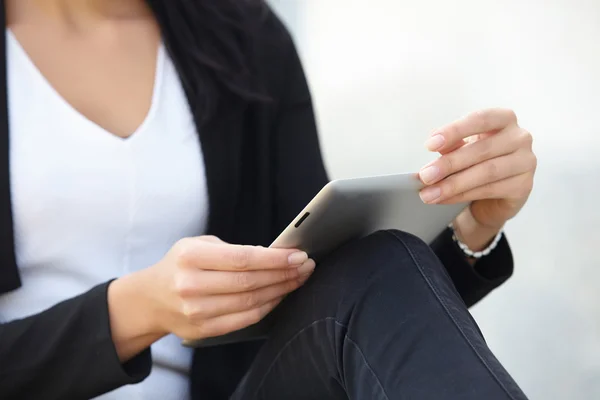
346, 210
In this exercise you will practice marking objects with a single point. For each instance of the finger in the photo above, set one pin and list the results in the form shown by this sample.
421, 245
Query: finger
211, 239
224, 324
481, 174
223, 304
483, 121
456, 146
515, 187
462, 142
229, 257
466, 156
196, 282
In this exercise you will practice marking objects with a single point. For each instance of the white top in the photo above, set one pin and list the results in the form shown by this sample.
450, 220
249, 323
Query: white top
89, 206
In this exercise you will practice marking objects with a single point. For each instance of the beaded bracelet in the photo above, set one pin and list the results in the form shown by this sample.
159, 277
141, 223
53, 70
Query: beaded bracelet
476, 254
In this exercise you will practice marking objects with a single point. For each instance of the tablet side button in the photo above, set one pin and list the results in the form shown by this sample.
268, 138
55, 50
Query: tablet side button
301, 220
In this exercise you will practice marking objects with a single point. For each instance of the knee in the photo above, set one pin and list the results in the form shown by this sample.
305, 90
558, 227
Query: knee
387, 269
390, 252
408, 241
385, 245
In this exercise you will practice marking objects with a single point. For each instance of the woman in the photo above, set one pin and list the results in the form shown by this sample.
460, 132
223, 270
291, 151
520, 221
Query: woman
139, 139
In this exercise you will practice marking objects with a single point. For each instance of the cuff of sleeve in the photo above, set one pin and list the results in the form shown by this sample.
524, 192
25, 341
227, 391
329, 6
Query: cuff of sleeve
474, 282
114, 373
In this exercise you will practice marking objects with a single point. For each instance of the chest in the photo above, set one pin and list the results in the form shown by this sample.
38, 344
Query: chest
109, 81
235, 150
91, 205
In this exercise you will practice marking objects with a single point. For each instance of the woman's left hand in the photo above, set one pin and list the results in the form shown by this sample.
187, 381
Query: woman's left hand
486, 159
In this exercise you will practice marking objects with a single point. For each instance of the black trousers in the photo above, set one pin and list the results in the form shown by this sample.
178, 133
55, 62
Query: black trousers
380, 319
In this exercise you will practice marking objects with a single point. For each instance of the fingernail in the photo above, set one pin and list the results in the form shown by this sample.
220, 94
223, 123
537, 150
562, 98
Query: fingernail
307, 268
435, 142
297, 258
430, 194
429, 174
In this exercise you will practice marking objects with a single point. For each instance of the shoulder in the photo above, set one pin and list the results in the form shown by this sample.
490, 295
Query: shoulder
271, 32
229, 54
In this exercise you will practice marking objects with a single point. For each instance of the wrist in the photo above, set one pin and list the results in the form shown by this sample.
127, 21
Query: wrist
473, 234
133, 316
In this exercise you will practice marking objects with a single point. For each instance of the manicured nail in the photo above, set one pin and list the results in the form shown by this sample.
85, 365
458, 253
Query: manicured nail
297, 258
430, 194
435, 142
307, 268
429, 174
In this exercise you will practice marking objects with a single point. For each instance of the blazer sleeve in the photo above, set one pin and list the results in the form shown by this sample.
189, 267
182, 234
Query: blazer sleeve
300, 173
474, 282
65, 352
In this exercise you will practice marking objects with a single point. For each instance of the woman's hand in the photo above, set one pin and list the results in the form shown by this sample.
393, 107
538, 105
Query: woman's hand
206, 287
486, 159
203, 287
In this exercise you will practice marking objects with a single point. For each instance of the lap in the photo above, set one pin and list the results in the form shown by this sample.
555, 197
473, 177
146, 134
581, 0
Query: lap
367, 310
384, 287
218, 370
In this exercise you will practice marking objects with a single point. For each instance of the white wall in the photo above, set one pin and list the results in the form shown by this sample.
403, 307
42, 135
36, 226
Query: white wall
384, 73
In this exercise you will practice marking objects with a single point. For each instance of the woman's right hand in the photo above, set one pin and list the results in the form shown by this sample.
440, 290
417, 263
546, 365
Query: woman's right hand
205, 287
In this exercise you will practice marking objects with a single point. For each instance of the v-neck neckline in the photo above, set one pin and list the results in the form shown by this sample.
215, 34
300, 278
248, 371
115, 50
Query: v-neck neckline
221, 143
69, 108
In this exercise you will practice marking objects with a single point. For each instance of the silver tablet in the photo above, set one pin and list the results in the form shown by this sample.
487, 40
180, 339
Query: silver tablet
348, 209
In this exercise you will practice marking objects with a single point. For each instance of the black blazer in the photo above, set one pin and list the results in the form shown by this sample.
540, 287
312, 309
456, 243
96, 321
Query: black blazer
263, 164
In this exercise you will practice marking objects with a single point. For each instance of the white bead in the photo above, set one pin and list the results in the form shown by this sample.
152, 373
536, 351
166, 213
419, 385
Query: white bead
476, 254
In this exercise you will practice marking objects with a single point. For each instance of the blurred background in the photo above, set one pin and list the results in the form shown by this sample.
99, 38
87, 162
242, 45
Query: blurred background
385, 73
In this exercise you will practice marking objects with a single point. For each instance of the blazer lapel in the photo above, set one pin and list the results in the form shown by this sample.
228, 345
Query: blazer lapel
9, 273
221, 143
